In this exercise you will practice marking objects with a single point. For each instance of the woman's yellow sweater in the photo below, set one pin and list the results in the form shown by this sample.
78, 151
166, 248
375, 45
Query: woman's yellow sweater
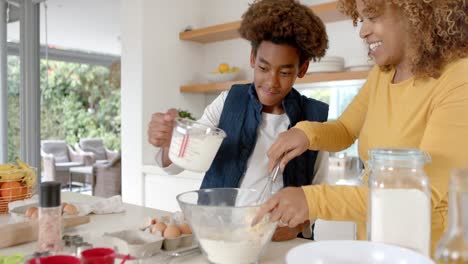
429, 114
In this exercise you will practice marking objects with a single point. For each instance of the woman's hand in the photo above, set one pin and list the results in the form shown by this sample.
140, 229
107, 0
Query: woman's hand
291, 143
288, 207
160, 128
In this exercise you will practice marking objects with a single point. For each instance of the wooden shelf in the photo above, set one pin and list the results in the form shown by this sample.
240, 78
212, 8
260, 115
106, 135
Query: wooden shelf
309, 78
327, 12
210, 87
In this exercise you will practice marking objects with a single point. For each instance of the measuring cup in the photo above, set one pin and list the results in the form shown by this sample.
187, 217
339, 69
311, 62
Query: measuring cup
194, 145
102, 256
58, 259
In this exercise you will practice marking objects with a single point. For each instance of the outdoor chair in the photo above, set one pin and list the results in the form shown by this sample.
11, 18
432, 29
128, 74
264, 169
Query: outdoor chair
96, 149
57, 158
107, 178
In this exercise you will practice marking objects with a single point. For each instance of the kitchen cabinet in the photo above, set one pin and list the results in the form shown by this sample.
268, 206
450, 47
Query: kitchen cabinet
327, 12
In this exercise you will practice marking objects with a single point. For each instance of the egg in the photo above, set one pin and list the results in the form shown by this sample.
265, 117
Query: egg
185, 229
63, 206
70, 209
159, 226
30, 211
172, 231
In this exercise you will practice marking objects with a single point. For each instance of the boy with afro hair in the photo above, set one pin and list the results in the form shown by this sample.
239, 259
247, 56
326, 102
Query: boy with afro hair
285, 36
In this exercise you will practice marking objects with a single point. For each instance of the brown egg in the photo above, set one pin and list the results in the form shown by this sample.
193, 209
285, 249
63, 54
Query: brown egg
185, 229
172, 231
63, 206
70, 209
30, 211
35, 214
160, 226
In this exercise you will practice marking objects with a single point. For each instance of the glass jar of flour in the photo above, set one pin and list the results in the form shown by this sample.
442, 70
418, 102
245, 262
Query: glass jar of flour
399, 199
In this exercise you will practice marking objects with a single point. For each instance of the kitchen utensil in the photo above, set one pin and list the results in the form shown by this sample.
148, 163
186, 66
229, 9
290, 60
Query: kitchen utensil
57, 259
266, 192
166, 257
327, 64
19, 233
221, 220
194, 145
102, 256
353, 252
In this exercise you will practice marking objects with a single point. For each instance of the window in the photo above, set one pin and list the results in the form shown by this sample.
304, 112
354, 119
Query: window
78, 100
337, 95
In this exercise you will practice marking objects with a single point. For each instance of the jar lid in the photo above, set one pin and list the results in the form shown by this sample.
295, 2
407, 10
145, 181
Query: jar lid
49, 194
399, 155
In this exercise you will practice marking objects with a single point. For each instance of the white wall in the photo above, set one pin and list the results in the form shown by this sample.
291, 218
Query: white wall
156, 63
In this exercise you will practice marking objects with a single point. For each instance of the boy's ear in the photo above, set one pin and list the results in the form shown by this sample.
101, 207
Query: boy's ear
252, 58
303, 69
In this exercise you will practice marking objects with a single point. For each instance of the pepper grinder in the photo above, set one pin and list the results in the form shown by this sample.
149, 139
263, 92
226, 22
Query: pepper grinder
50, 218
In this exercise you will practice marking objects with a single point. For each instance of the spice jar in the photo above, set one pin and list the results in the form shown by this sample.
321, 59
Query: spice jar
399, 198
50, 218
453, 246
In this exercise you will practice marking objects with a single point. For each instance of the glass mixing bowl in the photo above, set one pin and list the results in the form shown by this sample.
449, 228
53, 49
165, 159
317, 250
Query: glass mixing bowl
221, 220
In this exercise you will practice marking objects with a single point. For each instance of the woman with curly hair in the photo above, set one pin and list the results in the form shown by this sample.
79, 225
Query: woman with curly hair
284, 35
415, 97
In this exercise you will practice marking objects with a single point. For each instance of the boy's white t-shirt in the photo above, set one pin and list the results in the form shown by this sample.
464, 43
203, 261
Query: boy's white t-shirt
256, 175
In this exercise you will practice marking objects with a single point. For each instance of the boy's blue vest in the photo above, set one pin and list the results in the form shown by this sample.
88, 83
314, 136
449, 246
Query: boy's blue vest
241, 116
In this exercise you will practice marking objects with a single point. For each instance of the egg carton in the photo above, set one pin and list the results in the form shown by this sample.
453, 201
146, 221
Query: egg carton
185, 240
135, 242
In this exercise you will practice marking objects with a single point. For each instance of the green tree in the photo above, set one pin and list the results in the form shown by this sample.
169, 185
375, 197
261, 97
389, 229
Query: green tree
77, 101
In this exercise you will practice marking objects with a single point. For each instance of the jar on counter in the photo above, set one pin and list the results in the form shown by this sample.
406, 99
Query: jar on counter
50, 218
399, 198
453, 246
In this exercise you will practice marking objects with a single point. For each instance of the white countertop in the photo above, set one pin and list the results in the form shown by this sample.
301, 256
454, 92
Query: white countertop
132, 218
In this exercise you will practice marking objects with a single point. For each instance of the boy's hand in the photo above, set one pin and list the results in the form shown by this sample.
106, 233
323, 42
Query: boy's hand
291, 143
160, 128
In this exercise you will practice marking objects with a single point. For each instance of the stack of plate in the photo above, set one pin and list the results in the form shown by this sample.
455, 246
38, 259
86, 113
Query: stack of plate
327, 64
359, 64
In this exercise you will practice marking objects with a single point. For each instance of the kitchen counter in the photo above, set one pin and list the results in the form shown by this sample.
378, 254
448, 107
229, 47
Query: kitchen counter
131, 219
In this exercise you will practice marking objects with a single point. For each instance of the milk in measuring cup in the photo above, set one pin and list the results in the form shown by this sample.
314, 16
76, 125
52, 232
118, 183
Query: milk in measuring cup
194, 145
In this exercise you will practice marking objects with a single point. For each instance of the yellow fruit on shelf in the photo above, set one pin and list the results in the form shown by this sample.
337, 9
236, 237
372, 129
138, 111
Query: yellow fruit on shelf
223, 67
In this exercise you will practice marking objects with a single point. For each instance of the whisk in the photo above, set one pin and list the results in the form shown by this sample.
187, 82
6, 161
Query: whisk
266, 192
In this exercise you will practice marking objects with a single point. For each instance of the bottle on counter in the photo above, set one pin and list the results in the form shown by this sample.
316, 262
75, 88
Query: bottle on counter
50, 218
453, 246
399, 199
